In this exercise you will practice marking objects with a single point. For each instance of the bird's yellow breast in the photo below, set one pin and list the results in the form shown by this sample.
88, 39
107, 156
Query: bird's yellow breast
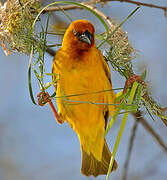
82, 77
83, 105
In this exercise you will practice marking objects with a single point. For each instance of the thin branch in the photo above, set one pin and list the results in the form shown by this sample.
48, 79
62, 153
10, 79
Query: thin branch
164, 8
138, 116
59, 8
92, 6
72, 7
143, 4
130, 146
100, 13
165, 121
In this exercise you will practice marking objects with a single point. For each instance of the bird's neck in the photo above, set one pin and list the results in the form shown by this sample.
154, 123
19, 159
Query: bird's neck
75, 52
78, 59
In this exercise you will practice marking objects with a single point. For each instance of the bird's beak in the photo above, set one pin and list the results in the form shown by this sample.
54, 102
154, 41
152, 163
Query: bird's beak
86, 37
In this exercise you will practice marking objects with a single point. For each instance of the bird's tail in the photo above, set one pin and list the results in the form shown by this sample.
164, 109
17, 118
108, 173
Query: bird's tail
91, 166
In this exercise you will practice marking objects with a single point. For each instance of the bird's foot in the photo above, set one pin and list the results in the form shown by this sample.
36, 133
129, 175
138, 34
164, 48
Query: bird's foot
43, 98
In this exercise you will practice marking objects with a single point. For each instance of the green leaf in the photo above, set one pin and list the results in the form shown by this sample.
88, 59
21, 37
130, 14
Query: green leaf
112, 120
110, 35
122, 97
29, 77
138, 95
125, 117
74, 3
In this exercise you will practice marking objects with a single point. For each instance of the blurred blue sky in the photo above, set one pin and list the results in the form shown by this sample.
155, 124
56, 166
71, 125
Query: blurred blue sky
33, 146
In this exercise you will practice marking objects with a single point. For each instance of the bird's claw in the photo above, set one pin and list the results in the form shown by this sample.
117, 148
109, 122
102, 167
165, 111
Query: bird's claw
43, 98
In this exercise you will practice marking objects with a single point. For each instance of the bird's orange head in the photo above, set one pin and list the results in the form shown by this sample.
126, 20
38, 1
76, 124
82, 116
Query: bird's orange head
79, 36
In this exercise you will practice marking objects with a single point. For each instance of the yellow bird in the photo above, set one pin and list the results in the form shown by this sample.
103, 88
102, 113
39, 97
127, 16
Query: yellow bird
84, 75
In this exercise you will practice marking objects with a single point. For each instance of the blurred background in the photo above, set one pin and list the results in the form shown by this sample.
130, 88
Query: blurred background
34, 147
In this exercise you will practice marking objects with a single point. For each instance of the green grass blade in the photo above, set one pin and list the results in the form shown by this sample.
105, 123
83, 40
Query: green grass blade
138, 95
53, 95
125, 117
110, 35
66, 14
32, 28
74, 3
112, 121
29, 77
122, 97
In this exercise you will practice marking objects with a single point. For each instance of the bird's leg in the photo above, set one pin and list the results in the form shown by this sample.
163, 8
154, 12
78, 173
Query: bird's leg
131, 80
43, 98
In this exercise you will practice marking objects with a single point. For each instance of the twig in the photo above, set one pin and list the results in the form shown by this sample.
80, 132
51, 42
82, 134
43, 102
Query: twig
130, 146
91, 5
100, 13
165, 121
144, 4
71, 7
59, 8
164, 8
138, 116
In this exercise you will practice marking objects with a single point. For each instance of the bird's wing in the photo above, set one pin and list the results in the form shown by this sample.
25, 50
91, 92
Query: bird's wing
53, 76
55, 68
108, 74
106, 69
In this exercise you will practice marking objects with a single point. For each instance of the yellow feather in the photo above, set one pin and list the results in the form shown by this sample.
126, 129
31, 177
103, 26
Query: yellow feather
83, 72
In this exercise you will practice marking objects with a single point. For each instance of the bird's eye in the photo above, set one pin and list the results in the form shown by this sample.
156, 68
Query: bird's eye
75, 32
